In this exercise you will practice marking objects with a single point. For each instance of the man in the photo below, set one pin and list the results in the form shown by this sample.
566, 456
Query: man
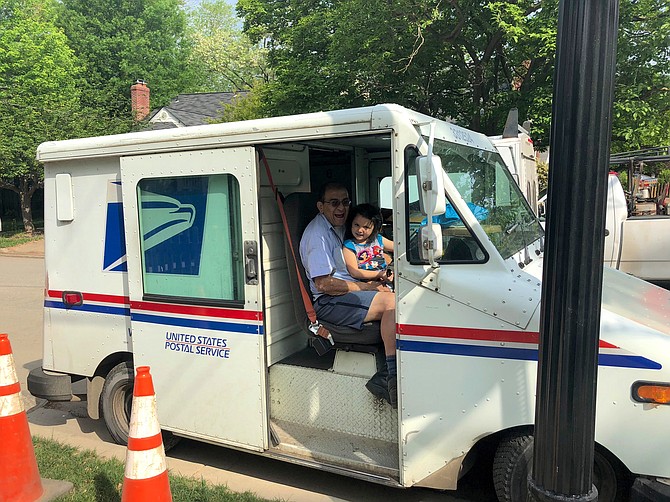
339, 298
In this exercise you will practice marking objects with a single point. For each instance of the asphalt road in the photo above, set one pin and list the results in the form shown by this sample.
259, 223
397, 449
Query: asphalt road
22, 290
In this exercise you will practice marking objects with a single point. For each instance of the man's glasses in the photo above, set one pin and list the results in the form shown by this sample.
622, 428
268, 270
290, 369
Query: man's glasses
335, 203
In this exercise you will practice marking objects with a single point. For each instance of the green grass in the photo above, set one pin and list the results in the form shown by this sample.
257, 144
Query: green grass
13, 238
100, 480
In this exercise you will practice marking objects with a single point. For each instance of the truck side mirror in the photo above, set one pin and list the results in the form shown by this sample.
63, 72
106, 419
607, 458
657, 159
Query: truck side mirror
431, 185
431, 243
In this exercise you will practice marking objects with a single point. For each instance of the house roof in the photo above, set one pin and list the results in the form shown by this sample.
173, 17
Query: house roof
192, 109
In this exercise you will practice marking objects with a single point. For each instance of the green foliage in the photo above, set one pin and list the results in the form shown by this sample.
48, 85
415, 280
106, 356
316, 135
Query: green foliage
245, 106
623, 179
39, 98
120, 41
468, 61
224, 57
664, 176
542, 175
15, 237
37, 89
642, 93
66, 67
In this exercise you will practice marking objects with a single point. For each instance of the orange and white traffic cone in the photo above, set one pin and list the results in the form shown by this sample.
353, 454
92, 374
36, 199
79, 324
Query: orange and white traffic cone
146, 477
20, 480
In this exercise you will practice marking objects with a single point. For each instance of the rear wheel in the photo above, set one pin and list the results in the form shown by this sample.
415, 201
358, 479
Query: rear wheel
116, 402
513, 462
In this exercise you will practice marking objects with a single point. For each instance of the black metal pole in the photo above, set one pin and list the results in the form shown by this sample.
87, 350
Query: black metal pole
573, 262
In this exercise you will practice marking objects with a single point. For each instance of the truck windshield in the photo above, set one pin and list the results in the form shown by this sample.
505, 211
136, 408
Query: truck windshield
492, 195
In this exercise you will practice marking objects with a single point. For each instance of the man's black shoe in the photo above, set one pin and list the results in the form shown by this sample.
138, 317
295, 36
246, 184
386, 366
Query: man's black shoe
377, 385
392, 386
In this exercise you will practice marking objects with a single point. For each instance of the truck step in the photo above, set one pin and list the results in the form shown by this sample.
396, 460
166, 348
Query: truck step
371, 456
331, 402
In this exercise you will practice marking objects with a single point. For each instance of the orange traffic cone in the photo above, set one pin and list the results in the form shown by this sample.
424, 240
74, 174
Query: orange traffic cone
20, 479
146, 477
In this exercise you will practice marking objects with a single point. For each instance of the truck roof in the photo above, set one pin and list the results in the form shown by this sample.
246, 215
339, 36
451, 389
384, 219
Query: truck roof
267, 130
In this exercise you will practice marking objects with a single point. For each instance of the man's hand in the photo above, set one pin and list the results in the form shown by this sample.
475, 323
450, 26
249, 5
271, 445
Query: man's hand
373, 286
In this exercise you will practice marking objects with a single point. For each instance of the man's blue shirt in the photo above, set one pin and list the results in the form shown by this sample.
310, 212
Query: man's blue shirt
321, 252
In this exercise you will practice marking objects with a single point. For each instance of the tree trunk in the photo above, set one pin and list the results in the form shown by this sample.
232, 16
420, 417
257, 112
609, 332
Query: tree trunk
477, 97
27, 188
27, 212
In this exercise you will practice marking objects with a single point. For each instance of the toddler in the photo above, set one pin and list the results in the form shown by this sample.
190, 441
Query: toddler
364, 246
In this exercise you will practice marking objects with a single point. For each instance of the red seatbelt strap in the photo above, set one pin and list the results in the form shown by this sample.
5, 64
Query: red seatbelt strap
309, 308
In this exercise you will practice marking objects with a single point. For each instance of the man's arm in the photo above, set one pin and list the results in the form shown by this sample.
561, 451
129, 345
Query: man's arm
329, 285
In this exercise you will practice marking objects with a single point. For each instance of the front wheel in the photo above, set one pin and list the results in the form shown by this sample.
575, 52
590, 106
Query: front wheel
513, 462
116, 402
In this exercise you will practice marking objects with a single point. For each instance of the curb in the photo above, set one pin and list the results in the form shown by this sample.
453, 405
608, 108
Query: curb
21, 255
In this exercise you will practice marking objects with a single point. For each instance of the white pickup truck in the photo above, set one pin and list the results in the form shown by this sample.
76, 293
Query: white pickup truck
637, 245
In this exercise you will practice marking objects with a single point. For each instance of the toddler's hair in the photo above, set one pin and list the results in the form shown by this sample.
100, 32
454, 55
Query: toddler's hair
368, 211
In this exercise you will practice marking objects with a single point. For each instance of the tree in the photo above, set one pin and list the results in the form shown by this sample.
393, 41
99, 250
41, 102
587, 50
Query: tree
245, 106
458, 60
642, 92
469, 61
120, 41
226, 58
38, 94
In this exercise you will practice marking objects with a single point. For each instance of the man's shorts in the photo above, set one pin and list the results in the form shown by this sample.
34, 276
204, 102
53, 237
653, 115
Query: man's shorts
345, 310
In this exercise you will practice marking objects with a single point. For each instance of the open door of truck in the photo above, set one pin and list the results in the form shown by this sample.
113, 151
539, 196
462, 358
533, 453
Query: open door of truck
192, 234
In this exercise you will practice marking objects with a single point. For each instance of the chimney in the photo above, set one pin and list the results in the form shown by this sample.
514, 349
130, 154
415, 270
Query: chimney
139, 99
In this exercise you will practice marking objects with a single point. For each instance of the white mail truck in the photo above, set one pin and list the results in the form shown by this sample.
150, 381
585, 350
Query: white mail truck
166, 248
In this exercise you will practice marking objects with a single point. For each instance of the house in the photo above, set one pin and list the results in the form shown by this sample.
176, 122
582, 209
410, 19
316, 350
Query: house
183, 111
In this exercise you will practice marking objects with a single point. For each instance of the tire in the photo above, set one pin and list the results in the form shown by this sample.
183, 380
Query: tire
116, 401
612, 481
513, 462
49, 386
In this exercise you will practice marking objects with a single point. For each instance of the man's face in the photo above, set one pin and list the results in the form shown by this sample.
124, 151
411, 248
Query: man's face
335, 206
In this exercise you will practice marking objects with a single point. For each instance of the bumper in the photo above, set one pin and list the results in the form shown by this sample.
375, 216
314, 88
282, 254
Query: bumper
50, 386
649, 490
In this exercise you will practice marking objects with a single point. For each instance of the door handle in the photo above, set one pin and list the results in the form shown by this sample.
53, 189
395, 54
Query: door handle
251, 262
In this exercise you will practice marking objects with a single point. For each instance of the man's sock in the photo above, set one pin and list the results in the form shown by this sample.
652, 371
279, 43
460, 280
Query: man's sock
391, 366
